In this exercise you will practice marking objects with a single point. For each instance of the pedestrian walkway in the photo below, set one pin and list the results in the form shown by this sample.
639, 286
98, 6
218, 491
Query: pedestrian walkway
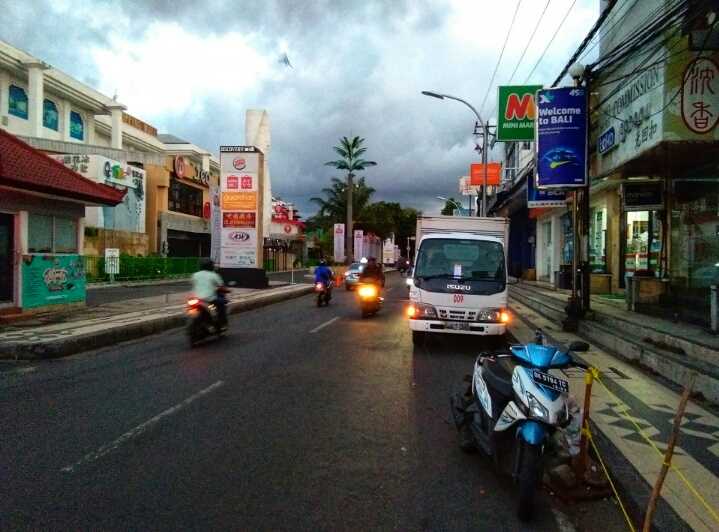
82, 329
631, 391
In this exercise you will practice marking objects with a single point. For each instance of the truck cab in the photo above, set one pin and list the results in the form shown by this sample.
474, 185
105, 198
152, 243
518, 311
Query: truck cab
459, 283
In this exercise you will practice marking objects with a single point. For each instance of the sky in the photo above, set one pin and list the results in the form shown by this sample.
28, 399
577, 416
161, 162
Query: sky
358, 67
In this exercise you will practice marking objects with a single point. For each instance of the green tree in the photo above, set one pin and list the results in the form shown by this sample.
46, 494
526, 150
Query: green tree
334, 205
351, 161
449, 207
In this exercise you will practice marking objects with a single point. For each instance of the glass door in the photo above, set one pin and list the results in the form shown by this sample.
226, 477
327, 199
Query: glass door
7, 227
643, 243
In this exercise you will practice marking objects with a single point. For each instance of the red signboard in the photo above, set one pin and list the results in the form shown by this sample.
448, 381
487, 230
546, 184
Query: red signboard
233, 182
206, 212
476, 174
239, 219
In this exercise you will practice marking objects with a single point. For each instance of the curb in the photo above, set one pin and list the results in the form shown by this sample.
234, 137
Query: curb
87, 342
633, 488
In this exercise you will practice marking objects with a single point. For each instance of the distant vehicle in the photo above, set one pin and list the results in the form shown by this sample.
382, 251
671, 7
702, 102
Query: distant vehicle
352, 275
369, 299
324, 293
459, 280
203, 320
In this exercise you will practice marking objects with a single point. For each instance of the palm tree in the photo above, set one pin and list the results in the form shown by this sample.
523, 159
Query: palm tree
350, 151
334, 205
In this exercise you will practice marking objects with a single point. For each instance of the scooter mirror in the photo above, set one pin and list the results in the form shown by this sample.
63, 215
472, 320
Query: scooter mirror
579, 347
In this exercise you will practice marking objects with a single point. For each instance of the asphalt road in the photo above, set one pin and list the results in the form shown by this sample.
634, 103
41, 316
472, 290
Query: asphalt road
114, 294
301, 419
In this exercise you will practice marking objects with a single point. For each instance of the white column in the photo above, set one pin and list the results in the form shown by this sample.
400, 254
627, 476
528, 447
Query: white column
205, 162
35, 96
116, 134
65, 122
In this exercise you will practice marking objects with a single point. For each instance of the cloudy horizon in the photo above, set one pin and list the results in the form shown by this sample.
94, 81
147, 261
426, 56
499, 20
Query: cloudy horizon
357, 68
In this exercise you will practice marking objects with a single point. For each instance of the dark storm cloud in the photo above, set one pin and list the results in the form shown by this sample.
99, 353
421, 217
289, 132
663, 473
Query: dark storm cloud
358, 69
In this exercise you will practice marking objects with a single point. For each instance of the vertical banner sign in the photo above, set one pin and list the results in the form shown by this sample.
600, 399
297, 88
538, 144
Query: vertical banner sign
517, 112
544, 198
561, 132
240, 207
358, 241
215, 223
339, 242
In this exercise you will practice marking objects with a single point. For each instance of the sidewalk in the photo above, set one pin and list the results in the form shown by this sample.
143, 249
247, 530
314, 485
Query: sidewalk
56, 335
633, 462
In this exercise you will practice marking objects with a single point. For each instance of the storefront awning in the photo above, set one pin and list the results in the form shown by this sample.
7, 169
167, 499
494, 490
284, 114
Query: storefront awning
26, 168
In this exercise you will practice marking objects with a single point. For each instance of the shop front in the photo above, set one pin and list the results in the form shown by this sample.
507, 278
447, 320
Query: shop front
42, 215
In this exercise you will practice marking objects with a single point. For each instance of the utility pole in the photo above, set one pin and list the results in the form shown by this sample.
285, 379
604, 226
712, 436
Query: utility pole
349, 241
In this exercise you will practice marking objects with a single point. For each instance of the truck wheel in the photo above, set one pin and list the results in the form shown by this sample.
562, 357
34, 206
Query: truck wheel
529, 476
417, 337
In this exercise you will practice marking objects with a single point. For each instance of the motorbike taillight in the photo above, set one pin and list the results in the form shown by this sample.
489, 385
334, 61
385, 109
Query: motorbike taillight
193, 302
319, 287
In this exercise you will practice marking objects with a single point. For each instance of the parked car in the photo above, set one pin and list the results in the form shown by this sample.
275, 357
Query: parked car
352, 275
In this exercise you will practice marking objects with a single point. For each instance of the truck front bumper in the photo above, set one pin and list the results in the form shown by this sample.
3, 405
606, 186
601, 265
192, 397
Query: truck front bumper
458, 327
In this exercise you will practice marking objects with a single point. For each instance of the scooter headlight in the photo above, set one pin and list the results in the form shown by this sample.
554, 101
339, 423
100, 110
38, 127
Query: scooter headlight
367, 292
536, 409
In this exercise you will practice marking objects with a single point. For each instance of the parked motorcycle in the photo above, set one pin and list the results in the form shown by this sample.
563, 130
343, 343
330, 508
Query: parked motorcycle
203, 320
324, 293
512, 408
369, 299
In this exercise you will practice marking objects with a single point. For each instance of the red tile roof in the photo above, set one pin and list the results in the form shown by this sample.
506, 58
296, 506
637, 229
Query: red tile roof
24, 167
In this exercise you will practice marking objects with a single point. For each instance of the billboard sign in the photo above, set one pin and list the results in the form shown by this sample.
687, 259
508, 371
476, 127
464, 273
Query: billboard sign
476, 174
517, 112
239, 219
358, 244
561, 132
544, 198
339, 242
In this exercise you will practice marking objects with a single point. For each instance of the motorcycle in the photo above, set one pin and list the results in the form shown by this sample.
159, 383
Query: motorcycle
203, 320
403, 266
369, 299
513, 406
324, 293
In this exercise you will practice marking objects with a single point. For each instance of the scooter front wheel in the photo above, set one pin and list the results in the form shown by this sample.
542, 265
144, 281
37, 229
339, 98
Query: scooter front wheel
530, 472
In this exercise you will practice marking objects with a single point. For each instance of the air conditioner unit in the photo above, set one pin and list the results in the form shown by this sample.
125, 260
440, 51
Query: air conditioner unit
4, 120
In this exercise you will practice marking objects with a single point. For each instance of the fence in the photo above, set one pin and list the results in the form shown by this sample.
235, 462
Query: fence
141, 268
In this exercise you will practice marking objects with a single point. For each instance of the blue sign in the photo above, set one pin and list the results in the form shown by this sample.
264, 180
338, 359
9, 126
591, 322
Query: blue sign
544, 198
561, 133
607, 141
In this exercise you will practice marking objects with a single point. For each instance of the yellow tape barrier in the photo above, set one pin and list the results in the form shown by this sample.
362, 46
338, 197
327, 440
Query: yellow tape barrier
684, 479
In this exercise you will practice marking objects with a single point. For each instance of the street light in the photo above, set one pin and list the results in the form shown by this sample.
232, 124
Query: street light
451, 201
485, 136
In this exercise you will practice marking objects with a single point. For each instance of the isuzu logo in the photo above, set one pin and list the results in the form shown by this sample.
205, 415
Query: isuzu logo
459, 287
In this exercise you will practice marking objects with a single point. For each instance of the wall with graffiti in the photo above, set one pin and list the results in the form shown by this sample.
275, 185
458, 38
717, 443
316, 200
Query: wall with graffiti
52, 280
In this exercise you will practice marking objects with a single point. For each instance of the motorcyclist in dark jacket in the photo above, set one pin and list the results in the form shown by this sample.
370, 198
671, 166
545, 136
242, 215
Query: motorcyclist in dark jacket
324, 274
372, 273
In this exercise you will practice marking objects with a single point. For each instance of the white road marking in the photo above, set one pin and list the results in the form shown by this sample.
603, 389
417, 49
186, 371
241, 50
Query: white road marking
563, 522
325, 324
109, 447
23, 371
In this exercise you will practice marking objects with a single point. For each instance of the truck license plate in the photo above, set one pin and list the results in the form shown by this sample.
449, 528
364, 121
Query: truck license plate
550, 381
458, 326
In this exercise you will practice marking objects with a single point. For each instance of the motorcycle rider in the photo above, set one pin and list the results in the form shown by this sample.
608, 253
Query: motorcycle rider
372, 274
208, 286
324, 275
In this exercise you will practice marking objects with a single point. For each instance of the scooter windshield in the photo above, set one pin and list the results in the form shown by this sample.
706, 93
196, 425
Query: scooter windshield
541, 356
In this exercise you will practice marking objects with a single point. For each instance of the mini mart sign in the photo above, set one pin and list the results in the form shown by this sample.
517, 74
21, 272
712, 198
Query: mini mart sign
517, 112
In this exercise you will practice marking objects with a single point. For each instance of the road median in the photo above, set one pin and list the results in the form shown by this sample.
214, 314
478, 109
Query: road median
64, 339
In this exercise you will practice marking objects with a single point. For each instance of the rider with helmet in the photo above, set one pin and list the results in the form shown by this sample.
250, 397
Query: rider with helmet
324, 274
208, 286
372, 273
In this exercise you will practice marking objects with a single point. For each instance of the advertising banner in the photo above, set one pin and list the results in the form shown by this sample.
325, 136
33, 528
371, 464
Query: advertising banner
240, 220
476, 174
561, 132
215, 223
52, 280
517, 112
339, 242
358, 241
544, 198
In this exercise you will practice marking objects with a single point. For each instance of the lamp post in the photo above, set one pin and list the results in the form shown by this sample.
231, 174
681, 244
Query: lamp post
451, 201
485, 136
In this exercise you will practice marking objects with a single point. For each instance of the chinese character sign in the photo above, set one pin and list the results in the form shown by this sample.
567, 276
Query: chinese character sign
700, 95
561, 132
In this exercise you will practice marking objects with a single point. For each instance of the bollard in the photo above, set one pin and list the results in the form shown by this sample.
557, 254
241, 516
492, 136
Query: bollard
581, 463
714, 309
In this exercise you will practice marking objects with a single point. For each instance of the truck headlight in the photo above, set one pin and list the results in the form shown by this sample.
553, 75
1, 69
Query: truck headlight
536, 409
492, 315
420, 311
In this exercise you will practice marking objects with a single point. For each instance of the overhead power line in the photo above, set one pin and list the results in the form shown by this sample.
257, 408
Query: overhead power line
496, 67
566, 15
536, 27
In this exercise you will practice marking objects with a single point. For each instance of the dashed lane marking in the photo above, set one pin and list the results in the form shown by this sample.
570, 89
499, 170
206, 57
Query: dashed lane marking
325, 324
143, 427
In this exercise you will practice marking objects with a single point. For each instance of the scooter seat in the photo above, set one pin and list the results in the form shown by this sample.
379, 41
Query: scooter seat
498, 376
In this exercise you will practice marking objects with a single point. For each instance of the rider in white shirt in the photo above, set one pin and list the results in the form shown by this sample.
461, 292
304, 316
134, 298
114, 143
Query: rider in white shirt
205, 286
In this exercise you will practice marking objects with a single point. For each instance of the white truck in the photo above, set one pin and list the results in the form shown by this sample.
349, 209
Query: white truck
459, 281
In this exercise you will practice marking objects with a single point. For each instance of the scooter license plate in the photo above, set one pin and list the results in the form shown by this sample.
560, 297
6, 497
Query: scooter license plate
457, 326
550, 381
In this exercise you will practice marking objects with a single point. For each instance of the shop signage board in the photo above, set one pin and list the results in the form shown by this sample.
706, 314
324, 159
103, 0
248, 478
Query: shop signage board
561, 133
646, 196
112, 261
544, 198
476, 174
517, 112
215, 223
339, 242
240, 207
52, 280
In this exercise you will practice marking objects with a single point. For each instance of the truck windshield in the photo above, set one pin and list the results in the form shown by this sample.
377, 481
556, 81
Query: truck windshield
476, 260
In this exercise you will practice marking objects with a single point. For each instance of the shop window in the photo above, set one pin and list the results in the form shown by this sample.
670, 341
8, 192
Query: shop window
643, 247
51, 234
77, 128
50, 116
185, 198
598, 239
17, 102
